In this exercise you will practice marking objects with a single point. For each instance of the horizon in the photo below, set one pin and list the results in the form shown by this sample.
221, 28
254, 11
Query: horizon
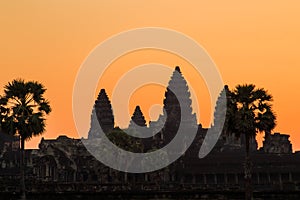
156, 118
250, 43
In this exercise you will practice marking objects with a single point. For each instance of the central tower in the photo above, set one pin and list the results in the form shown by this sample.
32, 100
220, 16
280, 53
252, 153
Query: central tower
177, 107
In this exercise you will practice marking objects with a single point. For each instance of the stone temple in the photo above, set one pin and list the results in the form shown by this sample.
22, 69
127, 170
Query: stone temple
64, 164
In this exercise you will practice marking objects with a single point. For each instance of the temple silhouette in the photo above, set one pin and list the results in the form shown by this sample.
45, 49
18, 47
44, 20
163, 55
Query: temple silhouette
64, 164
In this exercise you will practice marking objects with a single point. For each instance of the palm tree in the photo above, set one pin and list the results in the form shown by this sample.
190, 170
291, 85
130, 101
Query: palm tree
253, 114
23, 110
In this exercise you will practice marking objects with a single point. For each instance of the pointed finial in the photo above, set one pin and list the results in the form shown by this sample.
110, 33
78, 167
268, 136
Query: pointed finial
177, 68
101, 94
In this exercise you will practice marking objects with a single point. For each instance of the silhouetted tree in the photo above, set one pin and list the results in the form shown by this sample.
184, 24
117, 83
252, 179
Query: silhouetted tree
253, 114
125, 141
23, 110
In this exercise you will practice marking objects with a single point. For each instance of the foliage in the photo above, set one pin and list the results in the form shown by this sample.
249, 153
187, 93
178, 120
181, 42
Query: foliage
23, 109
22, 113
125, 141
253, 110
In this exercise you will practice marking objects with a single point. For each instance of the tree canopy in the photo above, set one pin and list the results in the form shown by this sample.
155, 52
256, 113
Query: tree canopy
23, 109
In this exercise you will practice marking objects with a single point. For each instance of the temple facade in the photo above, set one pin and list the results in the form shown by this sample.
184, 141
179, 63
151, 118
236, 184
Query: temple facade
64, 164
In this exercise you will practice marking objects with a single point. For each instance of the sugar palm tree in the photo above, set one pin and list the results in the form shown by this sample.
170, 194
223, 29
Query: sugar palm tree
23, 110
253, 115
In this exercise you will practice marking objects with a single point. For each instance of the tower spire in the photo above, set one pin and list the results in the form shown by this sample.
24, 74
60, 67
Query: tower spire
104, 115
137, 117
177, 105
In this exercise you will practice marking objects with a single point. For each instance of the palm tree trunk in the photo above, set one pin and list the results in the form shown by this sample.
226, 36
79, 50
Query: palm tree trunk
248, 189
22, 169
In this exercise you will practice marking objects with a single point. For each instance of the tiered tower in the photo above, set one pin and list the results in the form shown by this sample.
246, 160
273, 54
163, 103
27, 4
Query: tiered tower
104, 114
177, 106
137, 118
137, 125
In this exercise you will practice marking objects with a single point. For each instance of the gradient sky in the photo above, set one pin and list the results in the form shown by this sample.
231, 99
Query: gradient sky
254, 42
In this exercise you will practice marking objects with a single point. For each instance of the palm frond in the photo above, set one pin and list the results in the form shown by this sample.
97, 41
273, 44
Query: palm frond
23, 107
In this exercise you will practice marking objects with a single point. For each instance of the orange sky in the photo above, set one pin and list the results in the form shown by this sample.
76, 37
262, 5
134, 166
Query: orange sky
255, 42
